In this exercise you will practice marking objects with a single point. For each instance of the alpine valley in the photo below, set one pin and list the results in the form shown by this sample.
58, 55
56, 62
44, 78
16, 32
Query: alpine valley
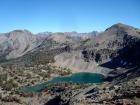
71, 68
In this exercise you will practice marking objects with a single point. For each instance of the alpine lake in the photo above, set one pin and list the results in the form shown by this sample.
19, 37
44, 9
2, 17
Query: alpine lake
82, 77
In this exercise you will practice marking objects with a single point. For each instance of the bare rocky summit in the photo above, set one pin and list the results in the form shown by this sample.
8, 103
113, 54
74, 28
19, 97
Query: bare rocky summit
17, 43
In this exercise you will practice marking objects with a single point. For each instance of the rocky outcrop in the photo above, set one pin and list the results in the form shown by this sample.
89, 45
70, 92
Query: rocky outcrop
97, 55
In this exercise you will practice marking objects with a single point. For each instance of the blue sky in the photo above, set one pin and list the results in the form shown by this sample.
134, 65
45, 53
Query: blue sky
67, 15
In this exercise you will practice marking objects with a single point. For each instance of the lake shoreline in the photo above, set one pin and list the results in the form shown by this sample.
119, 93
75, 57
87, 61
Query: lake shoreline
75, 77
60, 76
37, 83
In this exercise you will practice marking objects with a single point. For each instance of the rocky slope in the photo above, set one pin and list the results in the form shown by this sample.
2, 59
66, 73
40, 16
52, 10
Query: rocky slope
17, 43
116, 47
55, 40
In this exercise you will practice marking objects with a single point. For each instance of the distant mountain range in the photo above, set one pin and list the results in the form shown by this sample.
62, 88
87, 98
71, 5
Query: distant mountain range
74, 35
44, 34
18, 42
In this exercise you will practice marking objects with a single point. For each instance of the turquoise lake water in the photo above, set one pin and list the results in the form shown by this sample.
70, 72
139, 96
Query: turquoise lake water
78, 77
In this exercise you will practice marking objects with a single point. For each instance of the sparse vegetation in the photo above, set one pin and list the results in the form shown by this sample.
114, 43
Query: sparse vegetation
11, 99
29, 76
3, 77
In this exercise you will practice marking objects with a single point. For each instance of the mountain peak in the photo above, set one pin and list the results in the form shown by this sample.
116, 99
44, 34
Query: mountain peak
119, 25
122, 27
